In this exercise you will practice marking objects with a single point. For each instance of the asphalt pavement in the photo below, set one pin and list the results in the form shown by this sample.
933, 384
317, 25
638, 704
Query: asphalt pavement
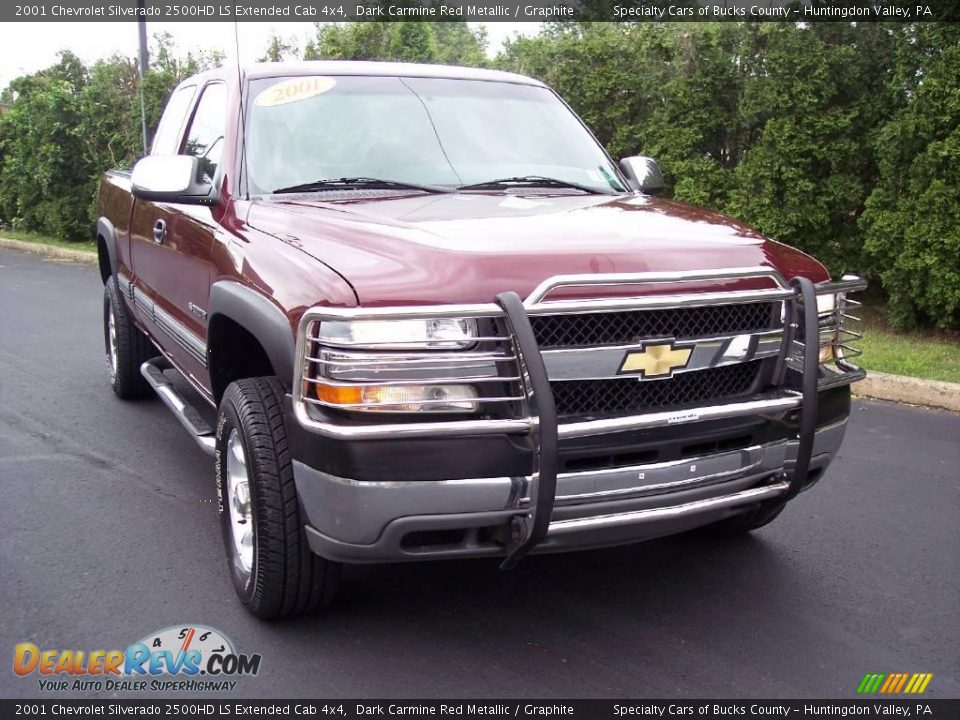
108, 531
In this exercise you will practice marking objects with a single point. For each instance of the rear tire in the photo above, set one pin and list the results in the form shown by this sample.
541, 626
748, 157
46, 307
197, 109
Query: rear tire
126, 347
272, 568
746, 522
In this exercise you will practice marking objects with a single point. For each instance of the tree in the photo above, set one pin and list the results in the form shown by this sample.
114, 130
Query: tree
44, 181
912, 216
65, 125
768, 122
280, 49
803, 177
452, 43
665, 90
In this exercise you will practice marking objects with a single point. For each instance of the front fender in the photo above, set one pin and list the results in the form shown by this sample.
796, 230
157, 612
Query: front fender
261, 318
107, 250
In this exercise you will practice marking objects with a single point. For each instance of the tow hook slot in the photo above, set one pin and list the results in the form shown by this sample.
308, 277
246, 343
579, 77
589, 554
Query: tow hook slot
525, 531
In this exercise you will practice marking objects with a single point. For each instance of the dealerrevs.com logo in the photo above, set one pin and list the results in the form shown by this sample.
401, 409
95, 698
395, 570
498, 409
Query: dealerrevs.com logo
188, 658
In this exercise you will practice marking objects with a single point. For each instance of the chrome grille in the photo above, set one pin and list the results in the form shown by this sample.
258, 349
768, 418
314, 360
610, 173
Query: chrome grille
588, 329
624, 396
739, 335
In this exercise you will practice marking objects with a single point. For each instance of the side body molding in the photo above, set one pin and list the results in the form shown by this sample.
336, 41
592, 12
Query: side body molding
261, 318
106, 230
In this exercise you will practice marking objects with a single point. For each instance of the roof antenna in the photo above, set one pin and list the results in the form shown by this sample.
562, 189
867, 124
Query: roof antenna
242, 123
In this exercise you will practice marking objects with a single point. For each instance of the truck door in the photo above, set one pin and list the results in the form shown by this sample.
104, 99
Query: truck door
171, 243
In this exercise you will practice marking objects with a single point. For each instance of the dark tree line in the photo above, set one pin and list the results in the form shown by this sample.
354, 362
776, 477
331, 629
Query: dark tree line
841, 139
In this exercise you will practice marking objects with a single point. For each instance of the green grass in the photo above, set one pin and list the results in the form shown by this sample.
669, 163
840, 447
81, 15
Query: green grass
32, 237
917, 353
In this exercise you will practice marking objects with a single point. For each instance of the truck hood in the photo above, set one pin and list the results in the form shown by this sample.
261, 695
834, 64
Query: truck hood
466, 248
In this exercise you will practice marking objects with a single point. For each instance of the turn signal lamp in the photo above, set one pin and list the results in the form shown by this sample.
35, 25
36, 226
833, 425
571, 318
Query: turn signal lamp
399, 398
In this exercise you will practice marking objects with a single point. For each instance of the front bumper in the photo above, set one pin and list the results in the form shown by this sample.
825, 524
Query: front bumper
359, 521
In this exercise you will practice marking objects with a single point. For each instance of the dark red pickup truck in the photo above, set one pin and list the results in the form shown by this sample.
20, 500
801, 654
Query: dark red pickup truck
417, 312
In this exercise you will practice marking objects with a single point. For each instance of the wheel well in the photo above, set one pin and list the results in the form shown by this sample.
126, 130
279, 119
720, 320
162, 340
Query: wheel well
103, 259
233, 354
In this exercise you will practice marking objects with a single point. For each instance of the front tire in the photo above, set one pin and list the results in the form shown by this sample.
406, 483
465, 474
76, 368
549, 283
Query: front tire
126, 347
272, 568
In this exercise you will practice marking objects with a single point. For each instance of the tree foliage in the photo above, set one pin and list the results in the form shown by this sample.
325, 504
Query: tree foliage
448, 43
42, 151
912, 216
65, 125
839, 138
280, 49
788, 127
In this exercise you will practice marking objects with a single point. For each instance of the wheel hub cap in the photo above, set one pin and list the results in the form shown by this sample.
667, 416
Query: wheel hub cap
241, 511
111, 343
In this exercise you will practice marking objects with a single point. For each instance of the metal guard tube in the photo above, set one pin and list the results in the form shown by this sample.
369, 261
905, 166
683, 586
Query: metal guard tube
543, 407
811, 371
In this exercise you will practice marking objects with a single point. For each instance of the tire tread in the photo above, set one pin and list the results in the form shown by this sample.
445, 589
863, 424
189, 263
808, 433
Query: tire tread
290, 578
133, 349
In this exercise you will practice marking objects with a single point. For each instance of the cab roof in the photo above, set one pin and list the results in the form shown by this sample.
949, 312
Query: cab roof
356, 67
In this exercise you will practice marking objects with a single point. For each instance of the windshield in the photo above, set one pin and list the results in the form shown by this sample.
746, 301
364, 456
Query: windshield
424, 131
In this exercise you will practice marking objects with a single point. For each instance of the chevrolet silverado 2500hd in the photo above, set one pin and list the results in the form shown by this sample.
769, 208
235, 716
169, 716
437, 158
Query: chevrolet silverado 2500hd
417, 312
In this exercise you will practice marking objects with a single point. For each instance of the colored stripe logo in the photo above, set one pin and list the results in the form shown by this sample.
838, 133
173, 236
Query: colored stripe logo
894, 683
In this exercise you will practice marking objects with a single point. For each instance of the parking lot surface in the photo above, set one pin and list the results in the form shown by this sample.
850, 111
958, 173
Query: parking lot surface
109, 532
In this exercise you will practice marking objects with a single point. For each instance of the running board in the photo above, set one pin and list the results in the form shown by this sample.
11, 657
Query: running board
187, 414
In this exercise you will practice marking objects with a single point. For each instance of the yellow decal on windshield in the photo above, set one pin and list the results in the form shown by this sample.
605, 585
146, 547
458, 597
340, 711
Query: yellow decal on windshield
293, 90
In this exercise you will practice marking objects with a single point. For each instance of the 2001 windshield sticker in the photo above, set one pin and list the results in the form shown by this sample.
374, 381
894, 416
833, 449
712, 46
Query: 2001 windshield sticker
187, 658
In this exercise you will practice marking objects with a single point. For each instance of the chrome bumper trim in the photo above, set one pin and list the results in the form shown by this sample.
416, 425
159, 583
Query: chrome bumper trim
407, 430
767, 492
575, 534
775, 403
353, 513
659, 478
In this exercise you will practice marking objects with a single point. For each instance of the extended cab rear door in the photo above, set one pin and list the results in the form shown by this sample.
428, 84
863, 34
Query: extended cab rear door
171, 243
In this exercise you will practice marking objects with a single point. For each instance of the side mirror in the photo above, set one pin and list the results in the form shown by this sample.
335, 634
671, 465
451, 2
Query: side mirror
643, 173
172, 179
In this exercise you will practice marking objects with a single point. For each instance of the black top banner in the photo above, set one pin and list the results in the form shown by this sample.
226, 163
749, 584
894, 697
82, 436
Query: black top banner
807, 11
919, 707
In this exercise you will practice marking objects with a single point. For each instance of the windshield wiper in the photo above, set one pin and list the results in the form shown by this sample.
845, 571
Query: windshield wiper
534, 181
359, 183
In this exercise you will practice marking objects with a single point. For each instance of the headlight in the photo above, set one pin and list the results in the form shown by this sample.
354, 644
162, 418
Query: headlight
415, 375
427, 333
399, 398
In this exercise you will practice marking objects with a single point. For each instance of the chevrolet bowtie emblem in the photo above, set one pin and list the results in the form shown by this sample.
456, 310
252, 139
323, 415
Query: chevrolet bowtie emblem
656, 360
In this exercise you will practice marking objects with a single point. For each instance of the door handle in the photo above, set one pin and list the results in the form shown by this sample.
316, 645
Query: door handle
159, 231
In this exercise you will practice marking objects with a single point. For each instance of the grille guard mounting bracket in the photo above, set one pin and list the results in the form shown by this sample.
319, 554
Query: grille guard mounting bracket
804, 311
526, 531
